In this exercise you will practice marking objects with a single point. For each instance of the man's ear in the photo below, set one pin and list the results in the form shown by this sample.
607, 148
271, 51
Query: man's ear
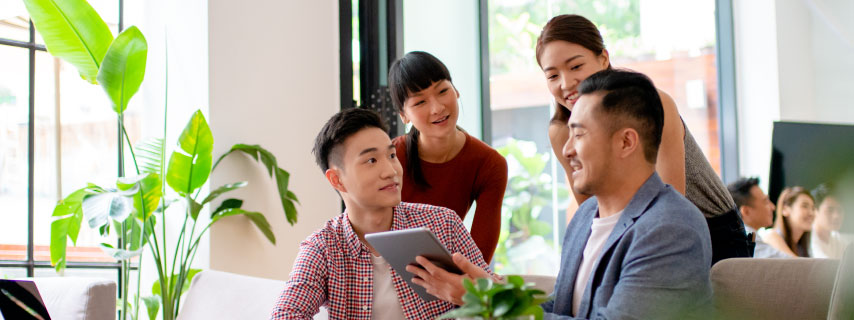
745, 211
333, 175
627, 141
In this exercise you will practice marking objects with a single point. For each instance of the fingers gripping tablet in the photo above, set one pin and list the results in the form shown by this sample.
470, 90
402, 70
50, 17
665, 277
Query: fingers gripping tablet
400, 247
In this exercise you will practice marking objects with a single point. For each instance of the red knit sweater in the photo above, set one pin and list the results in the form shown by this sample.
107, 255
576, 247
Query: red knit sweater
477, 174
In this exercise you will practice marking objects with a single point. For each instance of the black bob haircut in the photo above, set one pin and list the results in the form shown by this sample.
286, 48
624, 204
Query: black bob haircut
416, 71
341, 126
740, 190
630, 100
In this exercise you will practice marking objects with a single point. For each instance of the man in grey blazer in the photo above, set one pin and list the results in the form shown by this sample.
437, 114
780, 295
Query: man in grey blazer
637, 248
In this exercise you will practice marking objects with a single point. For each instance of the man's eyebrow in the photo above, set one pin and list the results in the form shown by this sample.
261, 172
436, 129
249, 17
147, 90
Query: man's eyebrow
576, 125
368, 150
565, 62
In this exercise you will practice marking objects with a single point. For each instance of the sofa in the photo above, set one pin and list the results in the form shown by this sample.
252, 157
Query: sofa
78, 298
222, 295
797, 288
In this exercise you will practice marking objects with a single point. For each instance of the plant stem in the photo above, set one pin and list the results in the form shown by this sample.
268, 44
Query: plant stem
162, 167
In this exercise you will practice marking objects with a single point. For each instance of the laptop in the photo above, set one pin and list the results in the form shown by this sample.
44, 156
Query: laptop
20, 299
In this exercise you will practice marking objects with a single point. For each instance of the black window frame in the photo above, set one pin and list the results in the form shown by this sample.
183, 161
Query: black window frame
30, 264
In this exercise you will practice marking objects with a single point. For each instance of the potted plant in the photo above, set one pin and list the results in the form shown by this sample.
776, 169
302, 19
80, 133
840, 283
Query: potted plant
487, 300
127, 213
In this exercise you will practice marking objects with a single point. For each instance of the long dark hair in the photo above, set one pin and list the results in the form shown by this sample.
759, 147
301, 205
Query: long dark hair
571, 28
787, 199
414, 72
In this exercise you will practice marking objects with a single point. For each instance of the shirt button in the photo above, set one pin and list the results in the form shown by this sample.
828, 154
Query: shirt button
365, 308
367, 279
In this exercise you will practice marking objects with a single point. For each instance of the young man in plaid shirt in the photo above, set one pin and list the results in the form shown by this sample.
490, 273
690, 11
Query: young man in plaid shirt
336, 267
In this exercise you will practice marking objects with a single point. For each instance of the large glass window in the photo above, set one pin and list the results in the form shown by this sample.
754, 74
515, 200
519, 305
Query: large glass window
639, 34
57, 132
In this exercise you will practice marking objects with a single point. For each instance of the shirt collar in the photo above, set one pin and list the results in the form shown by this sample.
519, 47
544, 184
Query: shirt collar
354, 245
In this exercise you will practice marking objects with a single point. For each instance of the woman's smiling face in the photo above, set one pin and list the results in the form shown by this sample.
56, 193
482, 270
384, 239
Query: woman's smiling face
565, 65
433, 111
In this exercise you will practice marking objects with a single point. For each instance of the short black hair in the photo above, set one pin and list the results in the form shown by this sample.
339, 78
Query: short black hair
338, 128
740, 190
630, 100
821, 192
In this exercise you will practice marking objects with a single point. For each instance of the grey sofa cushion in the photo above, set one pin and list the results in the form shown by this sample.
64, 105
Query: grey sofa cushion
750, 288
842, 300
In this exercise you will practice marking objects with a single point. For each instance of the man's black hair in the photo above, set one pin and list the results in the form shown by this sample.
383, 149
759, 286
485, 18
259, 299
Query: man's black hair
630, 100
740, 190
341, 126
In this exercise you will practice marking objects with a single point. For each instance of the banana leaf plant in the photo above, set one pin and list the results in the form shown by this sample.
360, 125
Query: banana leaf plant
126, 214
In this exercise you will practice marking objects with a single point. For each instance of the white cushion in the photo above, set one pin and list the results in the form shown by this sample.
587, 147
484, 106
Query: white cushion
72, 298
223, 295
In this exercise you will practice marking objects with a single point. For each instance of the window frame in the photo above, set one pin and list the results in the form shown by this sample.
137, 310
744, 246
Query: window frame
30, 264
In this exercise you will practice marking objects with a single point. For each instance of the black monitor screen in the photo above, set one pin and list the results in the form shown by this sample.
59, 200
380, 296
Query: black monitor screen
809, 154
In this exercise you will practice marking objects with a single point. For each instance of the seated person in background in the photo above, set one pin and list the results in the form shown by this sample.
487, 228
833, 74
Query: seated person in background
636, 248
335, 266
757, 211
825, 240
795, 215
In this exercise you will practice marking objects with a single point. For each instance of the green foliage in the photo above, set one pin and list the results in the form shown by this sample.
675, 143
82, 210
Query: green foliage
529, 190
489, 300
123, 68
72, 31
190, 166
515, 25
258, 153
128, 213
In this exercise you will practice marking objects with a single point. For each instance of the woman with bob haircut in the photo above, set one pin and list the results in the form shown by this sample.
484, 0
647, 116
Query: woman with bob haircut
442, 164
569, 49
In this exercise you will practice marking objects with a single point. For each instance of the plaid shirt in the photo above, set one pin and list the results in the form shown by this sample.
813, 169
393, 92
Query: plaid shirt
334, 268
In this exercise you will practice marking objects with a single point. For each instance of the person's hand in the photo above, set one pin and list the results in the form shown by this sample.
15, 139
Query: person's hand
443, 284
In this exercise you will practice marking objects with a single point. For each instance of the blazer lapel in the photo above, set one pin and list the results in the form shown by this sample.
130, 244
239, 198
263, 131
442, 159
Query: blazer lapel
577, 234
636, 207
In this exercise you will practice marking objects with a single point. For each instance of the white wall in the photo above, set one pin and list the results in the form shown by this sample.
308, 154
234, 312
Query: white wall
792, 64
274, 81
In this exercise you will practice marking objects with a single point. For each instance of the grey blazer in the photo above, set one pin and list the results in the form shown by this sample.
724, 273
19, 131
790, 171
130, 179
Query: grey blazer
654, 265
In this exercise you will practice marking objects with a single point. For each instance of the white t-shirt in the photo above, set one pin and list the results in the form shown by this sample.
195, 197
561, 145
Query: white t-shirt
386, 305
599, 232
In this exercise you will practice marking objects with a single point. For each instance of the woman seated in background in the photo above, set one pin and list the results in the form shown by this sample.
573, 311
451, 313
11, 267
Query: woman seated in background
795, 215
442, 164
570, 49
825, 240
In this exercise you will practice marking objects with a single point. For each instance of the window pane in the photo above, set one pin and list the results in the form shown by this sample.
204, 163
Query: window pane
101, 273
13, 273
14, 21
638, 35
86, 144
14, 108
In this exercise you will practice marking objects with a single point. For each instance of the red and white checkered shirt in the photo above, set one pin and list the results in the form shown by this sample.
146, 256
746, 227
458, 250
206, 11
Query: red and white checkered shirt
334, 268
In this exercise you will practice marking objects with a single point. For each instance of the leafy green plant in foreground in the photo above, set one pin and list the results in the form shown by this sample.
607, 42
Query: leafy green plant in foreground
486, 299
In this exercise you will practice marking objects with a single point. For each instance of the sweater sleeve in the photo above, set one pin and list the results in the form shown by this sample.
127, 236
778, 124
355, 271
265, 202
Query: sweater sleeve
492, 182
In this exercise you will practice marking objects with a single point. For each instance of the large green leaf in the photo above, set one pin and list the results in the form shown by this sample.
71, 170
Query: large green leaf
149, 153
72, 31
99, 209
223, 189
123, 67
287, 197
68, 215
190, 165
146, 200
256, 217
152, 305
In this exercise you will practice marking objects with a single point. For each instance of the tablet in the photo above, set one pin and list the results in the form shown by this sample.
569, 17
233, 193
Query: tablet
400, 247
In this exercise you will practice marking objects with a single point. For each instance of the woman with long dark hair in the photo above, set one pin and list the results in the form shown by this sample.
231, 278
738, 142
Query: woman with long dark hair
443, 165
792, 226
569, 49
